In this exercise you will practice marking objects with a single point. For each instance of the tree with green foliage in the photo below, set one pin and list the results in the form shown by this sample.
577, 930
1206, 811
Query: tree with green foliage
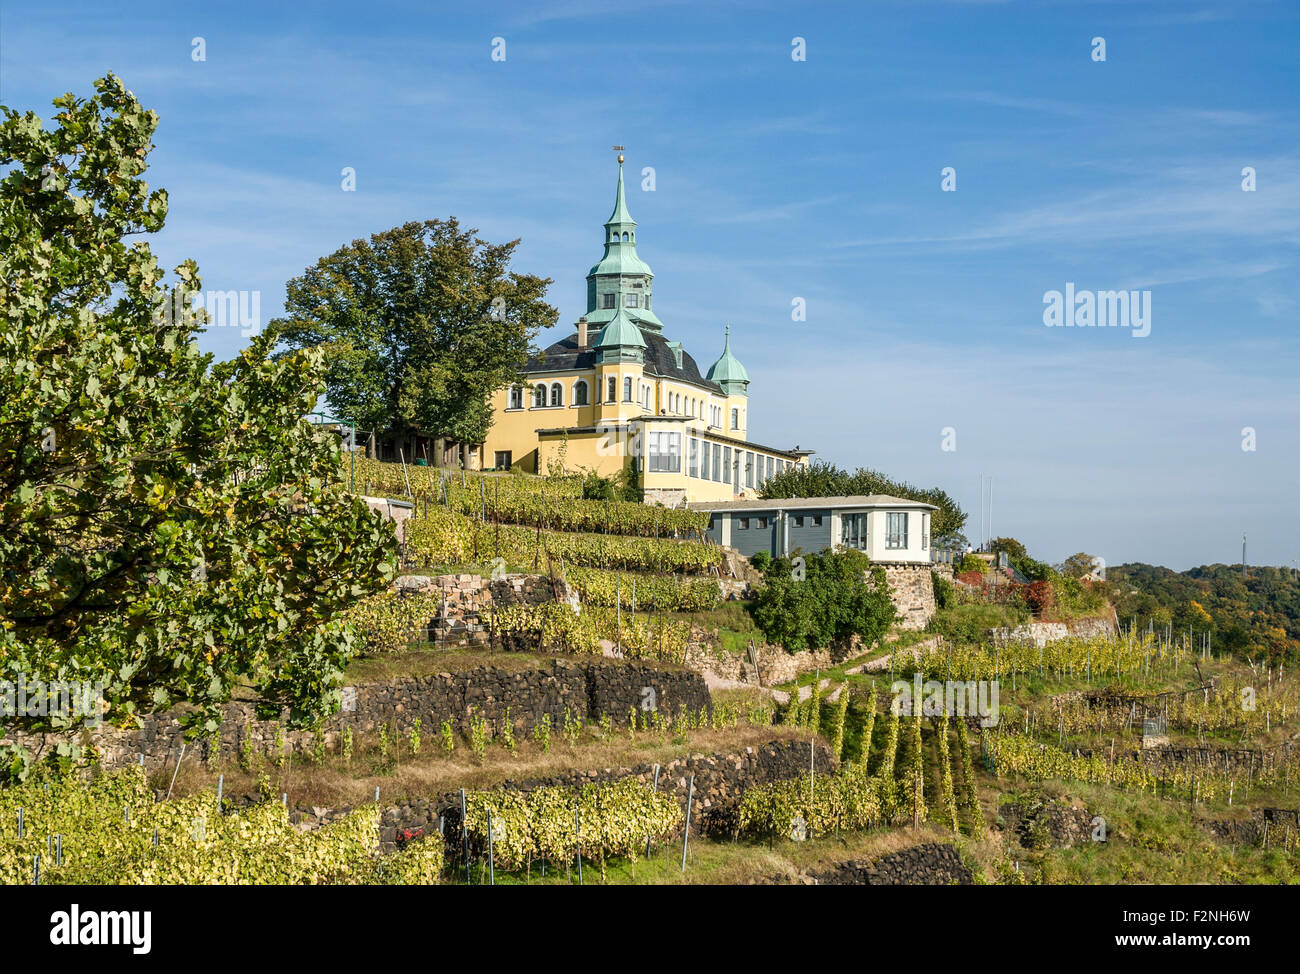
1011, 546
420, 324
836, 596
1078, 565
169, 528
821, 479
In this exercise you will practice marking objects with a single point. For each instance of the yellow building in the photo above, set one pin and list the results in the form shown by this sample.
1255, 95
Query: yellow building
617, 394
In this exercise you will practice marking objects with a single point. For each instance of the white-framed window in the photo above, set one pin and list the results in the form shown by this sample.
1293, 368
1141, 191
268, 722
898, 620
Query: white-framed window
735, 419
539, 396
726, 464
612, 389
749, 469
717, 462
693, 470
630, 300
665, 452
705, 453
853, 530
896, 530
516, 397
557, 394
925, 532
580, 392
627, 389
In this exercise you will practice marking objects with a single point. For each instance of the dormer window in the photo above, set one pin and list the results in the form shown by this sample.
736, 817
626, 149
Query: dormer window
611, 301
630, 300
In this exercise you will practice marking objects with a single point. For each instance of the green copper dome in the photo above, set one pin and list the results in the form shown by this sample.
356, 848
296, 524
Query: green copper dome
727, 370
620, 339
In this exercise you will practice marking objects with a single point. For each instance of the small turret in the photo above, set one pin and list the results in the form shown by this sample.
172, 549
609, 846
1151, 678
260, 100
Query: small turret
728, 372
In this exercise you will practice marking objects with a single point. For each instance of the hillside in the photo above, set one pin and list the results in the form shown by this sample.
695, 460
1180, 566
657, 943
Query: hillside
587, 738
1253, 617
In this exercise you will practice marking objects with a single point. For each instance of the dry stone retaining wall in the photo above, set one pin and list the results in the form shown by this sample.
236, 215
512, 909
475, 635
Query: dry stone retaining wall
719, 781
929, 864
586, 689
1042, 633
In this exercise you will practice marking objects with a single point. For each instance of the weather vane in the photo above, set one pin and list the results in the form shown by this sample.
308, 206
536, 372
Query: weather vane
619, 150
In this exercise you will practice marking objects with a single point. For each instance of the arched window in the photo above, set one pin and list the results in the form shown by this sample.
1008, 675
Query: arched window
580, 393
627, 389
557, 394
517, 397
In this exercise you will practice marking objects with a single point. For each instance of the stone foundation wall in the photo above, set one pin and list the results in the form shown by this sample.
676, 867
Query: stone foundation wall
912, 589
665, 496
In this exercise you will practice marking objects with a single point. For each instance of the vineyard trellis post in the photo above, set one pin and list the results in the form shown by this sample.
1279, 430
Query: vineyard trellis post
577, 831
654, 790
686, 832
464, 834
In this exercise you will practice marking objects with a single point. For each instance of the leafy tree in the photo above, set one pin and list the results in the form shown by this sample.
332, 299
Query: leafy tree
1078, 565
1014, 549
420, 325
821, 479
169, 528
829, 601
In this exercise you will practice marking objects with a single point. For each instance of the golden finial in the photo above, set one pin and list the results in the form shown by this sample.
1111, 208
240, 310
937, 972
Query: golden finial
619, 150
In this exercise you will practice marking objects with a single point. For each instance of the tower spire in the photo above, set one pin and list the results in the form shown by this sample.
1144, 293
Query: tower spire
620, 218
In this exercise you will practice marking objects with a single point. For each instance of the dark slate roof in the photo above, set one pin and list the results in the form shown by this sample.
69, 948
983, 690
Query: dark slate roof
564, 356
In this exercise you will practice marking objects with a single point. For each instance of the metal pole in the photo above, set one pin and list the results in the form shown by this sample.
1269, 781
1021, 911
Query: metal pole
492, 870
654, 791
464, 834
686, 834
577, 830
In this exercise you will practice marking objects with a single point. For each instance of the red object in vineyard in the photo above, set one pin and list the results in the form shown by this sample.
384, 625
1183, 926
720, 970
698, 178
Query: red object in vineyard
406, 835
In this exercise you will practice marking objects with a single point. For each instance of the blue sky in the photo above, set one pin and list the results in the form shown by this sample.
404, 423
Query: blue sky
819, 179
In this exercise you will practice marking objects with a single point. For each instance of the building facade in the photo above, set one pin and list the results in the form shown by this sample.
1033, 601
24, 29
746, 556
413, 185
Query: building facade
888, 529
617, 395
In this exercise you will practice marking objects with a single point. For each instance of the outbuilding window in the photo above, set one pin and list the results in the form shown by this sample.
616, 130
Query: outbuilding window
896, 530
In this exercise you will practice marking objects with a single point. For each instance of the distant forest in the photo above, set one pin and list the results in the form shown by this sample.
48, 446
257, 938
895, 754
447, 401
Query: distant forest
1256, 617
